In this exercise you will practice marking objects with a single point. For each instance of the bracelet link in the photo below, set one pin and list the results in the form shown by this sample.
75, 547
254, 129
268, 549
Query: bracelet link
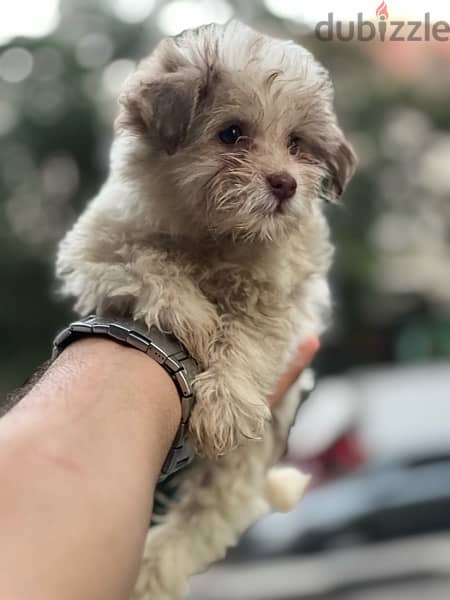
166, 350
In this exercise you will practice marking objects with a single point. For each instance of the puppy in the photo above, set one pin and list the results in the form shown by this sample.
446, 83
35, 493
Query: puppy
210, 226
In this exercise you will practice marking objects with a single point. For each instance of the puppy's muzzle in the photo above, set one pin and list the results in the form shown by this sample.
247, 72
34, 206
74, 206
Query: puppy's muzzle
282, 185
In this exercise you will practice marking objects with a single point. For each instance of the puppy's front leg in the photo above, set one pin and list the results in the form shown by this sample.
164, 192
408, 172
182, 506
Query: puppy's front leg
231, 394
218, 501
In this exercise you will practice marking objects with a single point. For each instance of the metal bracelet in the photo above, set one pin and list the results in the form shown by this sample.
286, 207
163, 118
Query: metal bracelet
166, 350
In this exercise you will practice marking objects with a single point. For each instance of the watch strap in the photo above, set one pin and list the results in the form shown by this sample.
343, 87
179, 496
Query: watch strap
166, 350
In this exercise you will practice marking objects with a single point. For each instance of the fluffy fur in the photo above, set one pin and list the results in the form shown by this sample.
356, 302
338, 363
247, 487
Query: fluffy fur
186, 234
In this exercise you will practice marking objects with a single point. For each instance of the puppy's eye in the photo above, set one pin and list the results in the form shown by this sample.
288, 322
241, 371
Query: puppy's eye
325, 189
294, 144
231, 134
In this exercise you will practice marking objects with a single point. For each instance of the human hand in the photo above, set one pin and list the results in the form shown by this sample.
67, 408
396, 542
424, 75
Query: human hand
302, 358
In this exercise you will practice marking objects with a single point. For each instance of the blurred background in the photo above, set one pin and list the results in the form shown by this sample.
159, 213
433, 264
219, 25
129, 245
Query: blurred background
376, 432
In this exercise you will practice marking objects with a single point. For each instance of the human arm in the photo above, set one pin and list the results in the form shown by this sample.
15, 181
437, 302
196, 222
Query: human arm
80, 456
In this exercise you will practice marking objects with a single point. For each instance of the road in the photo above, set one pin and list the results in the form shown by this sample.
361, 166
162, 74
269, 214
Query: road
408, 569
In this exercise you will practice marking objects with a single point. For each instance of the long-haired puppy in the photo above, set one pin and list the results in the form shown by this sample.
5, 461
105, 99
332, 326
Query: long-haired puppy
210, 226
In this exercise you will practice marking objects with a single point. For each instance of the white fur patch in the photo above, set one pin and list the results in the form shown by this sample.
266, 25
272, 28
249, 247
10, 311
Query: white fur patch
284, 487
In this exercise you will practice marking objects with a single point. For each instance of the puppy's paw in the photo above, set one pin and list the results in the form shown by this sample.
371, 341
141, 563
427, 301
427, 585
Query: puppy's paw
227, 413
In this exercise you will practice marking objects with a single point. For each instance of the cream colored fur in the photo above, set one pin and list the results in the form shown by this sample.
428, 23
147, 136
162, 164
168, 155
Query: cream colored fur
187, 235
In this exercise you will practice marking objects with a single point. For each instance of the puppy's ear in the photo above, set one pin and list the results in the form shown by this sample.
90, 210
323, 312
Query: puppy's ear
163, 107
340, 160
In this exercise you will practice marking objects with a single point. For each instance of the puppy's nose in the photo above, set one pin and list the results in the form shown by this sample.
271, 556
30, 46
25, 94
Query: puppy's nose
282, 185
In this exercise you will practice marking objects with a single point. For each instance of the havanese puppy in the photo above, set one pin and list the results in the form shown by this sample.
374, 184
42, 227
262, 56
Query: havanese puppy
210, 226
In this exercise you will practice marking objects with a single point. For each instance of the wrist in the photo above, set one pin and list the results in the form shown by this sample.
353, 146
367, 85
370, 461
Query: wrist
123, 380
120, 390
127, 375
161, 347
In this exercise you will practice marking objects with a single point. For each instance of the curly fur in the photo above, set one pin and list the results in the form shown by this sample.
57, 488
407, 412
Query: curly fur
187, 235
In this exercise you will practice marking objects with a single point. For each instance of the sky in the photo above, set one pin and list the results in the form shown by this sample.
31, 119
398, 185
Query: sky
34, 18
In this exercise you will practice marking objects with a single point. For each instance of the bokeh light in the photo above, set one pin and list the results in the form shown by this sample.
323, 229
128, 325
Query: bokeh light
28, 18
94, 50
185, 14
16, 64
132, 12
115, 74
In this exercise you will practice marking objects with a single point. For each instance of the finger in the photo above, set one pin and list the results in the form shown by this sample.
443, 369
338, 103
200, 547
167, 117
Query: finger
305, 353
301, 360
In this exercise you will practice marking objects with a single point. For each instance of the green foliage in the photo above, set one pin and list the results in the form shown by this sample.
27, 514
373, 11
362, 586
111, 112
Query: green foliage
55, 128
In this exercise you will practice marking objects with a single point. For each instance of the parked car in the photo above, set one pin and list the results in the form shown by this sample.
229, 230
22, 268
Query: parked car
376, 524
382, 502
